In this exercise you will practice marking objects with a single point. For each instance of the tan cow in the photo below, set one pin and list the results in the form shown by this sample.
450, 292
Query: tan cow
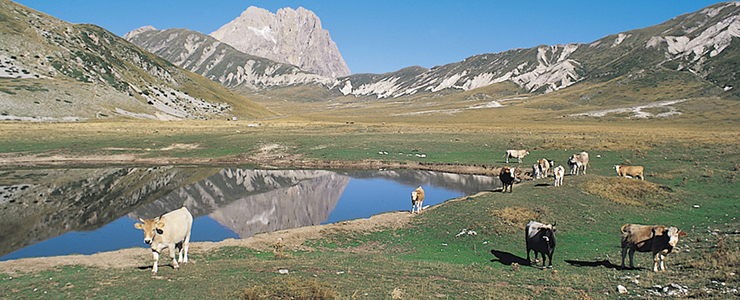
630, 171
417, 199
168, 231
578, 163
658, 239
544, 165
518, 154
559, 173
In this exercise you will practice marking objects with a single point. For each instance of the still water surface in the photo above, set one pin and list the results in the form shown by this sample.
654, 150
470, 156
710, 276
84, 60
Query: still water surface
85, 211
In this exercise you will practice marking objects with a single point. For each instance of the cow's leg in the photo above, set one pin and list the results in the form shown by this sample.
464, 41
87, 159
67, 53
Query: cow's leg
173, 250
658, 259
624, 253
186, 246
632, 258
507, 159
520, 159
155, 254
550, 257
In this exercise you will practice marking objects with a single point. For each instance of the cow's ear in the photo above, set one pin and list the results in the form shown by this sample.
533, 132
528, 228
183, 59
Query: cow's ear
160, 225
139, 226
682, 233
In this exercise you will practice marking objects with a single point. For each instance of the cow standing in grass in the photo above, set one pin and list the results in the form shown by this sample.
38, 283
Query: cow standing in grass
540, 238
658, 239
630, 171
578, 163
559, 173
518, 154
171, 230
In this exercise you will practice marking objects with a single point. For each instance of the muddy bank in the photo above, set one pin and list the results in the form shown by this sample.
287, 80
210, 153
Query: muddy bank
264, 161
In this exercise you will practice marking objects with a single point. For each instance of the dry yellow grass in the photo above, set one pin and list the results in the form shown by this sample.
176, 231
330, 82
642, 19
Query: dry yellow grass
627, 191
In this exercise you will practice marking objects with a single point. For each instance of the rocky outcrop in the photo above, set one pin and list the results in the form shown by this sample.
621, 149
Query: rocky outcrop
288, 36
220, 62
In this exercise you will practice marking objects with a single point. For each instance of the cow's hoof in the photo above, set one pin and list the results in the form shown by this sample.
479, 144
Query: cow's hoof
154, 273
549, 267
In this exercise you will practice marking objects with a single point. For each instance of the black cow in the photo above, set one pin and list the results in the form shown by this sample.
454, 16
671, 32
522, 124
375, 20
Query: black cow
540, 238
507, 177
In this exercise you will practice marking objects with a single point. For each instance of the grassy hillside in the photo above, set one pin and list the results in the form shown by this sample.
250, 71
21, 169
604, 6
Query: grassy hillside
54, 70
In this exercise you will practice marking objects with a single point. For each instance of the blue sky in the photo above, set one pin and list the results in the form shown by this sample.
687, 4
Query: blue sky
385, 36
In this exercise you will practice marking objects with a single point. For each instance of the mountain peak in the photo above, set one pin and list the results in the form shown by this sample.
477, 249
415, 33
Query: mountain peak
288, 36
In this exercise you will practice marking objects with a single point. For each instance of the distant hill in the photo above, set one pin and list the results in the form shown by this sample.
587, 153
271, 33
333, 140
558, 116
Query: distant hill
694, 54
54, 70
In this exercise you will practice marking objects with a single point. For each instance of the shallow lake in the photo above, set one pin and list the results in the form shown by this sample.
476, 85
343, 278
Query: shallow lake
84, 211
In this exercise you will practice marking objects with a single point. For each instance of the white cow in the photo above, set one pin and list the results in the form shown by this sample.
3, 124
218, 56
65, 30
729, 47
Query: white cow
544, 164
536, 173
559, 172
518, 154
168, 231
578, 163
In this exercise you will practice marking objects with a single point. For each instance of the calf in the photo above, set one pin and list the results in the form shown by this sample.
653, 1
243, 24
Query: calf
578, 163
630, 171
518, 154
559, 173
658, 239
540, 238
168, 231
417, 198
507, 177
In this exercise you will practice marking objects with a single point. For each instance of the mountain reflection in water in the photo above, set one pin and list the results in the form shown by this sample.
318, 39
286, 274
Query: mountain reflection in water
55, 211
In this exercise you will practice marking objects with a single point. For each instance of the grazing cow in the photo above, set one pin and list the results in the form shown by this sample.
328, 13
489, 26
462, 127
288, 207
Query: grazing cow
578, 163
630, 171
646, 238
536, 174
518, 154
507, 177
544, 165
540, 238
417, 198
559, 172
169, 230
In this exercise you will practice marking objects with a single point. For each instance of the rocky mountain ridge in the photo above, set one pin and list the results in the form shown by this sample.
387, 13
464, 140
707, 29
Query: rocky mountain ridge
288, 36
698, 43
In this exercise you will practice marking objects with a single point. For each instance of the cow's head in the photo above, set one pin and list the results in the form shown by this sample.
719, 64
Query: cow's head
671, 233
151, 228
616, 168
547, 232
414, 196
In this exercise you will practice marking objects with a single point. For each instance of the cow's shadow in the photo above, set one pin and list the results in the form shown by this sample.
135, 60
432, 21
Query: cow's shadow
601, 263
507, 258
543, 184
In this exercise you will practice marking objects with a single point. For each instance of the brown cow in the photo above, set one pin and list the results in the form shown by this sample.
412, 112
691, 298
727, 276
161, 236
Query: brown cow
168, 231
559, 172
544, 165
417, 198
630, 171
646, 238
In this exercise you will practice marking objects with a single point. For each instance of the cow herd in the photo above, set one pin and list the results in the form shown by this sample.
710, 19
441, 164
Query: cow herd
540, 237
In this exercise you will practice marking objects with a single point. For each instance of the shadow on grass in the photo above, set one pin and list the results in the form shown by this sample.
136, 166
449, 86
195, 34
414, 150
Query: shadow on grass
507, 258
605, 263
